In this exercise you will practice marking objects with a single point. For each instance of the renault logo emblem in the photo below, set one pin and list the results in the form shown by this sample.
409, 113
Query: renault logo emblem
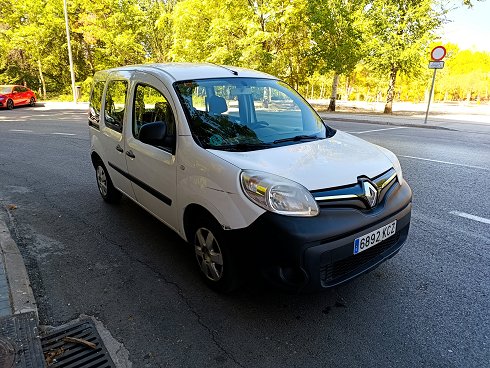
370, 193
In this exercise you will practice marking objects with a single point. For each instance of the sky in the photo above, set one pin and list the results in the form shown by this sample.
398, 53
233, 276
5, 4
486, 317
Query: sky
470, 28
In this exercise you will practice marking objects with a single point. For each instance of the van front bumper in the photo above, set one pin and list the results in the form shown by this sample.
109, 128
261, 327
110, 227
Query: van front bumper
312, 253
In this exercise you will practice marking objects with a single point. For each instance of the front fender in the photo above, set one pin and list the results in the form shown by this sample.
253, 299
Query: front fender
222, 197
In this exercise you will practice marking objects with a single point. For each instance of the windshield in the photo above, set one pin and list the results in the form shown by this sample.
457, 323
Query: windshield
5, 90
247, 113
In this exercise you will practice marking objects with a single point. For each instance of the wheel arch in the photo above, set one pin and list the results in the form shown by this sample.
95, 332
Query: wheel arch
191, 213
95, 158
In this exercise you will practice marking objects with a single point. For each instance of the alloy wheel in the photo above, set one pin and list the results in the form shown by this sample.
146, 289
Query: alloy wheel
102, 180
208, 254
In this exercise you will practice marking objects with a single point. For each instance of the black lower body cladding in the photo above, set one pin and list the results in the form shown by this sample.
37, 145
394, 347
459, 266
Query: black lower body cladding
314, 253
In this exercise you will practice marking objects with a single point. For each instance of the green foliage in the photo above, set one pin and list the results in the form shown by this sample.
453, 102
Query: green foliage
272, 36
402, 30
339, 34
304, 42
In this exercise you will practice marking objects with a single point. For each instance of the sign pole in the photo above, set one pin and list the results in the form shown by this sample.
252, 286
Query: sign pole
437, 54
430, 95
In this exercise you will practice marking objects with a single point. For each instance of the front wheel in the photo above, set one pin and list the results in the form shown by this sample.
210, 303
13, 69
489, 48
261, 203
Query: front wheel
217, 263
107, 190
32, 101
10, 104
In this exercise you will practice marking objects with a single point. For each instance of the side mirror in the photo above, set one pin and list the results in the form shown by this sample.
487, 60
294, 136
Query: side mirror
153, 133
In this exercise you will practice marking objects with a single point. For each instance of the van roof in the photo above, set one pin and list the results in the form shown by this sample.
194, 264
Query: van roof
191, 71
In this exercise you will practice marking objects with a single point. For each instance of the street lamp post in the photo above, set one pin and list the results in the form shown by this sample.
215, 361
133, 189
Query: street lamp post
70, 57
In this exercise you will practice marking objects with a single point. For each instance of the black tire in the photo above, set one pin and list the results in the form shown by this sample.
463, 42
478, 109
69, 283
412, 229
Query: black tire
32, 101
217, 262
10, 104
106, 189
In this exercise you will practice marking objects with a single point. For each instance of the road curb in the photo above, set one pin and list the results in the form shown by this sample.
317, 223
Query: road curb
21, 295
378, 122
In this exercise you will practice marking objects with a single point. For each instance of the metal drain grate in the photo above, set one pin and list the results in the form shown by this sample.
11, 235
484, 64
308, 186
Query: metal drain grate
60, 353
19, 342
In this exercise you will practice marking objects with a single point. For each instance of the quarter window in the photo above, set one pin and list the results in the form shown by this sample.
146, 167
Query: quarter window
151, 106
115, 102
96, 102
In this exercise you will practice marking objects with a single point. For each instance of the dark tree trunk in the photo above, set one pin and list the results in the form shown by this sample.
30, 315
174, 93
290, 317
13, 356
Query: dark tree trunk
391, 91
333, 97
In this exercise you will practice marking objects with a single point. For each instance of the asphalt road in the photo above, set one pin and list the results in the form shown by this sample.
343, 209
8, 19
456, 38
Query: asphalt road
426, 307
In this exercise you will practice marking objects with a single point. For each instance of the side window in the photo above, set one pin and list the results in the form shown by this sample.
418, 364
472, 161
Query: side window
115, 102
151, 106
95, 102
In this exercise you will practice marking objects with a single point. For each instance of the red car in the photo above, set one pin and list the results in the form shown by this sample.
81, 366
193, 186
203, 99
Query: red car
14, 95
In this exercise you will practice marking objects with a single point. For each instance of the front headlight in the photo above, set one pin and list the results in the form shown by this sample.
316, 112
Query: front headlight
398, 169
394, 160
277, 194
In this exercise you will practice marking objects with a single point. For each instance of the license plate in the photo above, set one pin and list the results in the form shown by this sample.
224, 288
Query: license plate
374, 237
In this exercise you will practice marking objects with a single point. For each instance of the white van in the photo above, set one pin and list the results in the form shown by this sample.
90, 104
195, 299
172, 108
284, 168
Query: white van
243, 168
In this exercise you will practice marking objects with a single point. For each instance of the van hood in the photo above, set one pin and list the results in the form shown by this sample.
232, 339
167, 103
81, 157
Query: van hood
321, 164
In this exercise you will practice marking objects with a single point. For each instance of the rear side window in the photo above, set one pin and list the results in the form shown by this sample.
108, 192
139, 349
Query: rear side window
95, 103
115, 104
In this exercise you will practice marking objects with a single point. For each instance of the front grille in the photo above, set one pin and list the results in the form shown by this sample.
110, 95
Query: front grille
353, 195
343, 267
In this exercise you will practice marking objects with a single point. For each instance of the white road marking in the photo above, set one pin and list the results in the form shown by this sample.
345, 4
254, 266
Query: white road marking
63, 133
471, 217
376, 130
446, 162
20, 131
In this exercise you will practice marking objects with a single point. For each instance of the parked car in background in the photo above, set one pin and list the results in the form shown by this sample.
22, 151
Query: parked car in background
14, 95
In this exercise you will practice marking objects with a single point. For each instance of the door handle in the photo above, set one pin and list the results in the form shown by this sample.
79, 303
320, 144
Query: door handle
130, 154
119, 148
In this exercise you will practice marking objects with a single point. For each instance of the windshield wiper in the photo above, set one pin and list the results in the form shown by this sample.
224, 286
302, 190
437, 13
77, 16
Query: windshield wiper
242, 147
297, 138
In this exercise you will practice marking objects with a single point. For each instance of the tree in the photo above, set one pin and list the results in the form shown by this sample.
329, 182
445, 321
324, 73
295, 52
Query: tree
354, 42
272, 36
338, 34
30, 35
402, 30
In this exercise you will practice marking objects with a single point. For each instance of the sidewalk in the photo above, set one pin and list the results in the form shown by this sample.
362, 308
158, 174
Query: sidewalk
16, 295
55, 105
83, 342
20, 345
460, 117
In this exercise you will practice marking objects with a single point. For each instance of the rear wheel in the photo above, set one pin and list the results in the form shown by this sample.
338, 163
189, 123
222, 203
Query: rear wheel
10, 104
32, 101
107, 190
217, 264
